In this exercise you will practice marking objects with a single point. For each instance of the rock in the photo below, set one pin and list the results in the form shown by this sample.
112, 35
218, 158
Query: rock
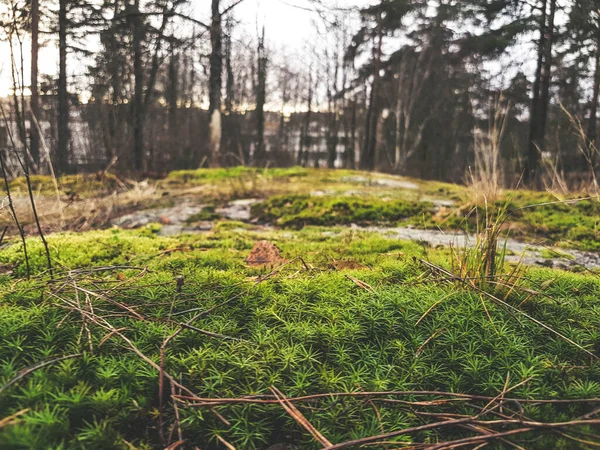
238, 209
385, 182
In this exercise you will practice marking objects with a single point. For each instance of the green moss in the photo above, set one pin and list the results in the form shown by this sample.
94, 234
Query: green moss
305, 329
573, 225
207, 214
220, 174
300, 210
549, 253
84, 186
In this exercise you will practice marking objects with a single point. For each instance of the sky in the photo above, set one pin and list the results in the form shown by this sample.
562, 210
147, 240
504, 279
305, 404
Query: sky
288, 25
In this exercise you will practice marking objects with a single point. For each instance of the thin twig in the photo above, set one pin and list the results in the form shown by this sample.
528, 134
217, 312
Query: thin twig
299, 418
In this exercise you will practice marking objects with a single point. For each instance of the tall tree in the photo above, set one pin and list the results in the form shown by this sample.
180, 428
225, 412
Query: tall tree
137, 109
305, 138
215, 84
216, 79
34, 106
261, 92
540, 95
378, 21
584, 30
62, 150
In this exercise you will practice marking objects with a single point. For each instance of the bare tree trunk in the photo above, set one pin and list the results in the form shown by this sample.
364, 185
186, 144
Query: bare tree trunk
137, 109
367, 160
173, 95
399, 124
111, 150
260, 154
62, 151
230, 82
332, 107
304, 136
216, 67
547, 72
34, 105
591, 134
542, 76
332, 140
350, 150
282, 134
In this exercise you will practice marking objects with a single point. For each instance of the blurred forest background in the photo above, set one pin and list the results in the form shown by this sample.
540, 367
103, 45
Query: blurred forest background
481, 91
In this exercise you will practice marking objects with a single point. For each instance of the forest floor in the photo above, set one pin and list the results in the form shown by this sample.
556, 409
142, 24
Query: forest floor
197, 310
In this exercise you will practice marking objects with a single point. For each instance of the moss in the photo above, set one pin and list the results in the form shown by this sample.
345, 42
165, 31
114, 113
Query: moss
300, 210
84, 186
232, 225
207, 214
306, 329
221, 174
549, 253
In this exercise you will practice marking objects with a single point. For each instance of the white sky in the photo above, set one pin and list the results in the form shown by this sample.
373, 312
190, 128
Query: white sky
288, 25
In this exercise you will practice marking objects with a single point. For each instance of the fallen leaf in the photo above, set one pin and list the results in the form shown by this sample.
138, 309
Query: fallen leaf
347, 264
264, 253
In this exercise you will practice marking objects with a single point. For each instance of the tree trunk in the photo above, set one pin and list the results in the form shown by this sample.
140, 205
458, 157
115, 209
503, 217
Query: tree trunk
216, 67
367, 160
547, 73
399, 123
532, 163
332, 141
350, 150
62, 151
173, 96
333, 127
305, 137
34, 106
114, 122
591, 133
229, 83
138, 91
260, 153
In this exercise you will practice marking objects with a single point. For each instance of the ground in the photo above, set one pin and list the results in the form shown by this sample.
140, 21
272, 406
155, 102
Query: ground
309, 292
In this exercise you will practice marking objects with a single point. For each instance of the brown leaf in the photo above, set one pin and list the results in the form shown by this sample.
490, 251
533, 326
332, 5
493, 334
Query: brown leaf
264, 253
347, 264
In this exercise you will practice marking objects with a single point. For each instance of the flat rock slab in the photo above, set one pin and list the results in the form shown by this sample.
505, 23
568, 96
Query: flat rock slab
385, 182
521, 251
173, 215
174, 218
238, 209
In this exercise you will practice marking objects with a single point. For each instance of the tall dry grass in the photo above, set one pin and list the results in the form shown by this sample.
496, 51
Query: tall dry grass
554, 179
486, 177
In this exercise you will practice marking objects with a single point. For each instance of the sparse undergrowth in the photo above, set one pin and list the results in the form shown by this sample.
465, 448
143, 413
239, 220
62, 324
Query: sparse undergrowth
331, 197
355, 313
